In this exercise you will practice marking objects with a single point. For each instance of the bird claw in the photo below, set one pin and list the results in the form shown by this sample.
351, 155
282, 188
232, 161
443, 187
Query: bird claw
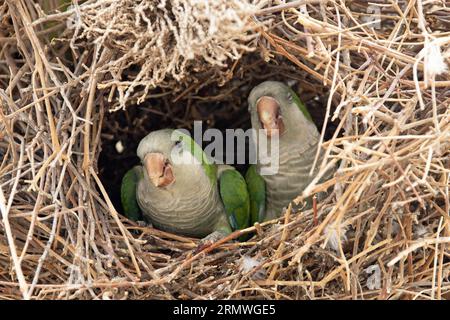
208, 241
144, 224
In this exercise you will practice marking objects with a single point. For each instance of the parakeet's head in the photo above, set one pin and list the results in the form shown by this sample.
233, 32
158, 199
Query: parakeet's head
171, 157
274, 107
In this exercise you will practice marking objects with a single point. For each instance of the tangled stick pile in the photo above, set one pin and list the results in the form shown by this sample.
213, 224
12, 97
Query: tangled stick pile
383, 232
175, 34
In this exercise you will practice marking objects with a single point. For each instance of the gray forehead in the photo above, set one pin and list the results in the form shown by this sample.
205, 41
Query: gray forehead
275, 89
156, 141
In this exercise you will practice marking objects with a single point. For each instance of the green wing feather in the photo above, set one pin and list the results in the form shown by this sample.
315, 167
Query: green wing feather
257, 192
300, 105
128, 193
235, 198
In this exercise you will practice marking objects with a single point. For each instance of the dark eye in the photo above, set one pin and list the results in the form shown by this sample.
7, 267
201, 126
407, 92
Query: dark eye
178, 145
289, 96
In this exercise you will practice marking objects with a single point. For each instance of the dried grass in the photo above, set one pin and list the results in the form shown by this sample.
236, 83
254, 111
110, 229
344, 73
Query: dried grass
382, 234
163, 41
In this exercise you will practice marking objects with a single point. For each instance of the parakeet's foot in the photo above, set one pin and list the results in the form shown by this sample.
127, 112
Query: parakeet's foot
209, 240
144, 224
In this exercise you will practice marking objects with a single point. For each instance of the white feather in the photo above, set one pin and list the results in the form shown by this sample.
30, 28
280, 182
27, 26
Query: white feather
434, 61
332, 234
248, 263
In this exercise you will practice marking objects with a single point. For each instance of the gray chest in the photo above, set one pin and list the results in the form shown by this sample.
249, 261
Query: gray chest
192, 211
295, 162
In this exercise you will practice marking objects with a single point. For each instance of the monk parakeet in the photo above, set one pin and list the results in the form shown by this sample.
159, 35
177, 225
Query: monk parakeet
274, 106
179, 190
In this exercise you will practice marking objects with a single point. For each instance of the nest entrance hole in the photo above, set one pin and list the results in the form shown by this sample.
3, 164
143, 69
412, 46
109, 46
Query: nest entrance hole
220, 107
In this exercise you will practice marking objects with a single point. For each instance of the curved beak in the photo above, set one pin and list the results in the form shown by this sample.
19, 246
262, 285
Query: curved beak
158, 169
269, 115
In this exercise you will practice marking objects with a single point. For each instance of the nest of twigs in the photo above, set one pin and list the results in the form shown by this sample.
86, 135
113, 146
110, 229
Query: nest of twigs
374, 76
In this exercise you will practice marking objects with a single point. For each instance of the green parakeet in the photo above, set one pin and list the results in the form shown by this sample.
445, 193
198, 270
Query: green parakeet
274, 106
179, 190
